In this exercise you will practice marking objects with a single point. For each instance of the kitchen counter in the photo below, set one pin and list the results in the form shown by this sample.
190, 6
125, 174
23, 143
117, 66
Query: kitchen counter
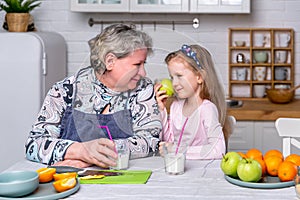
265, 110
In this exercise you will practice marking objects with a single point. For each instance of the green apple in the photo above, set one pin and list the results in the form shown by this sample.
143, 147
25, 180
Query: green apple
249, 170
230, 163
167, 86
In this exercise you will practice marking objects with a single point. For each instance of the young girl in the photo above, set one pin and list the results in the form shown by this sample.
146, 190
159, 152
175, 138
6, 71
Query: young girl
199, 108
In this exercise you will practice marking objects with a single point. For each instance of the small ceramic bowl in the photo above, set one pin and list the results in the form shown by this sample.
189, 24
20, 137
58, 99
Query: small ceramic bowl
240, 43
260, 56
18, 183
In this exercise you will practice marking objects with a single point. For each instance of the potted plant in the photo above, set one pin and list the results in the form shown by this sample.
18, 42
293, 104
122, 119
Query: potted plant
17, 13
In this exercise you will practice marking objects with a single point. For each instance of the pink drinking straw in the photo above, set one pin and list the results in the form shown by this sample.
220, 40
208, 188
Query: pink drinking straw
108, 132
180, 137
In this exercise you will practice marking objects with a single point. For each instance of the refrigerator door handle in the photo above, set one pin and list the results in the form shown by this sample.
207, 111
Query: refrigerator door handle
44, 67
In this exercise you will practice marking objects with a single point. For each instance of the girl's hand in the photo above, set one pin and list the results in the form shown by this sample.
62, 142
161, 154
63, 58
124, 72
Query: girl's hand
164, 146
161, 96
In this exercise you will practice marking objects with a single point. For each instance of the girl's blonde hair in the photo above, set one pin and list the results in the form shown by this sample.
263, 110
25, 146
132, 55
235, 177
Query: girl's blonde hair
201, 61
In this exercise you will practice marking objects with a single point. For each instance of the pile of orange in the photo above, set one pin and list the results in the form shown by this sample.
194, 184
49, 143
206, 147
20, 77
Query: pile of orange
273, 163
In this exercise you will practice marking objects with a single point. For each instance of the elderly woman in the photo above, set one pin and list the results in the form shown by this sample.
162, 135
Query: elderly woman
113, 92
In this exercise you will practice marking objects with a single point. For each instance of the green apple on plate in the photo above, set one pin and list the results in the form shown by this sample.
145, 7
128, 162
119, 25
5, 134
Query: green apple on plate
230, 163
249, 170
167, 86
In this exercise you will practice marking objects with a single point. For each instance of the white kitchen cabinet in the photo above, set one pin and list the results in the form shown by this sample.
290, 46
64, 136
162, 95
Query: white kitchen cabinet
220, 6
254, 134
159, 6
266, 136
100, 6
242, 138
162, 6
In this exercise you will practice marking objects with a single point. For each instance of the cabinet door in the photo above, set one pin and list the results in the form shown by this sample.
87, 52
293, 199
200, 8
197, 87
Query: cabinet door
266, 136
220, 6
100, 5
159, 6
242, 138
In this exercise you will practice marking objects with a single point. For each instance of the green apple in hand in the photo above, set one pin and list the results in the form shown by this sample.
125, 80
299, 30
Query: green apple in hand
167, 86
230, 163
249, 170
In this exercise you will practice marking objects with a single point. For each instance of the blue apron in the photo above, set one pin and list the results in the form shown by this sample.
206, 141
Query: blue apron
80, 126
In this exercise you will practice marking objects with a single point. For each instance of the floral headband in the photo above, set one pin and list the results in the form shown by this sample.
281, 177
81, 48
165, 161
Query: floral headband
187, 50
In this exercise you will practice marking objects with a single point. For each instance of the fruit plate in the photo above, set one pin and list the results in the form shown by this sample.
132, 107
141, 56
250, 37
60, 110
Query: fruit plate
267, 182
47, 191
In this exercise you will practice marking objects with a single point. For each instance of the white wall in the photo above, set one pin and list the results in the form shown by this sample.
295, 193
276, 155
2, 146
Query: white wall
55, 15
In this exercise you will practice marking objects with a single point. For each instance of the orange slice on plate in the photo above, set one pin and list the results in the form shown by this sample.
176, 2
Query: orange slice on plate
64, 184
46, 174
64, 175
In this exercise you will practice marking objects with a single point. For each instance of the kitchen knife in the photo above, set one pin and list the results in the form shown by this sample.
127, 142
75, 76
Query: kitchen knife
84, 172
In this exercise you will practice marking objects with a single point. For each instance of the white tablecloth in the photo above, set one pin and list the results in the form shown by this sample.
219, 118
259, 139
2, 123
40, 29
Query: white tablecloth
202, 180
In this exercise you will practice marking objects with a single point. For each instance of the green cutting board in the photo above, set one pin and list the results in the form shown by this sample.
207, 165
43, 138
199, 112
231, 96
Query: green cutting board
127, 177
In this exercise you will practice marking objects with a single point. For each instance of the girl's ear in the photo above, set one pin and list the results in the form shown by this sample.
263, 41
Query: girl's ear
199, 79
110, 59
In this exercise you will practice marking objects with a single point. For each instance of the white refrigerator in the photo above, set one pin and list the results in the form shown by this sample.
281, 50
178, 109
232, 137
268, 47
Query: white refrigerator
30, 63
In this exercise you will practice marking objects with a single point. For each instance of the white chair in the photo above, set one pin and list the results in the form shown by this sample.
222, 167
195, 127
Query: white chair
288, 129
228, 128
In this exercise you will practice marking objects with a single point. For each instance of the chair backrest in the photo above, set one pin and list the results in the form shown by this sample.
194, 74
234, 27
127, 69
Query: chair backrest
228, 128
288, 129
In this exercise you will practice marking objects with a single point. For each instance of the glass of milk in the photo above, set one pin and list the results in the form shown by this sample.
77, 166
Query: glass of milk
175, 162
122, 148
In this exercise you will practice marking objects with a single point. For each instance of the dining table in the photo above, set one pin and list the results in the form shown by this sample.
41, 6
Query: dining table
202, 179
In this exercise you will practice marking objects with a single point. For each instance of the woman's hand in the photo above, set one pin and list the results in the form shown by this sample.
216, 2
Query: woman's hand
98, 152
163, 147
161, 96
73, 163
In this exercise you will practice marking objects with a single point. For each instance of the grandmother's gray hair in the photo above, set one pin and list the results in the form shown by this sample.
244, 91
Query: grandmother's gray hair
119, 39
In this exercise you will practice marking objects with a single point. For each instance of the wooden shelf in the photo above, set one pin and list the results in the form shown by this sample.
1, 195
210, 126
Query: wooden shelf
244, 89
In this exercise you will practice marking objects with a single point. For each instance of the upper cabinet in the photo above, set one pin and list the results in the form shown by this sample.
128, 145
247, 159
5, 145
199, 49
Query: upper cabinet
159, 6
220, 6
100, 5
162, 6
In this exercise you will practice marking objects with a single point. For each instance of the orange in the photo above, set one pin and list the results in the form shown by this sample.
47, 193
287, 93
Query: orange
272, 164
64, 175
46, 174
242, 154
64, 184
273, 152
287, 171
254, 153
294, 158
263, 166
